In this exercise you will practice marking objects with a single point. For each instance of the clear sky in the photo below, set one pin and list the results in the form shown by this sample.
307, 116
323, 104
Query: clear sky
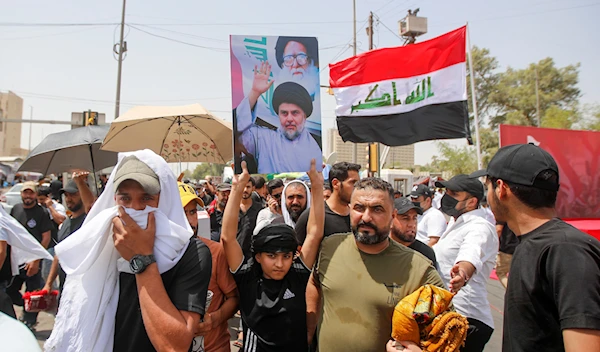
60, 69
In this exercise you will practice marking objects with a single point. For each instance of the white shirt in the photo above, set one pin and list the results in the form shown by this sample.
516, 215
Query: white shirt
488, 215
59, 209
437, 200
431, 224
471, 238
265, 217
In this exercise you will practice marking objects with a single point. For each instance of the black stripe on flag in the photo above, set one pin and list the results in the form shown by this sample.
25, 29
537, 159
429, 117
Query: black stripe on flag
435, 121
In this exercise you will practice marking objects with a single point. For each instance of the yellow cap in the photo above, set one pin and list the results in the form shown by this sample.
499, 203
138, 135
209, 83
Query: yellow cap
187, 194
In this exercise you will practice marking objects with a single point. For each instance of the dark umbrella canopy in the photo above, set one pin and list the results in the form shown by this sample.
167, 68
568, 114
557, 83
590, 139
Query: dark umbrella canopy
78, 148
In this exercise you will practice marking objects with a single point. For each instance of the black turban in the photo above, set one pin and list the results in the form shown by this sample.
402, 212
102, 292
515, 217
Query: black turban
310, 43
275, 238
292, 93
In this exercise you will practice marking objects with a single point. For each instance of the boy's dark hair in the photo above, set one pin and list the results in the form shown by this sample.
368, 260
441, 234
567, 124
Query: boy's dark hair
532, 196
44, 191
376, 184
340, 170
275, 183
259, 181
326, 187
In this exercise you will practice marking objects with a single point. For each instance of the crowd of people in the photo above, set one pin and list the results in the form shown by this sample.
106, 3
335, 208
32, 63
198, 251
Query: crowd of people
308, 265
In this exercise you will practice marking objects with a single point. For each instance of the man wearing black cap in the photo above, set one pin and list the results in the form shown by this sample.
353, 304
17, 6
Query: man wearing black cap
432, 222
466, 253
552, 302
404, 228
291, 146
216, 209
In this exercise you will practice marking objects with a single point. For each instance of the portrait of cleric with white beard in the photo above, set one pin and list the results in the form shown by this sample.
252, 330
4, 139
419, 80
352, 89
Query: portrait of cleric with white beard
277, 123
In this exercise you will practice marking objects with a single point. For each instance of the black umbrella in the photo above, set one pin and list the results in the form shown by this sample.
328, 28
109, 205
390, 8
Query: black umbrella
78, 148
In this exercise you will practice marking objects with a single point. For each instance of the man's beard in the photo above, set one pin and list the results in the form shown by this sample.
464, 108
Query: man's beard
291, 135
309, 78
28, 201
364, 238
295, 214
500, 211
343, 197
404, 237
77, 207
246, 195
222, 205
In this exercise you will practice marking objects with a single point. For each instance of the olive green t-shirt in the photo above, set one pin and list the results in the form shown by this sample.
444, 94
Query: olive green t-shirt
360, 291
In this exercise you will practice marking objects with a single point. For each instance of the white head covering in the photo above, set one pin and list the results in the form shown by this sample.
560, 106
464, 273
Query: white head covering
88, 305
284, 211
25, 248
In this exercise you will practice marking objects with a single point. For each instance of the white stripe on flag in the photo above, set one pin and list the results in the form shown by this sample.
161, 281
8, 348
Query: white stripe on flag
443, 86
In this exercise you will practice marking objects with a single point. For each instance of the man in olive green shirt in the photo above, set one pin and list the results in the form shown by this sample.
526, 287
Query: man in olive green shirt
361, 276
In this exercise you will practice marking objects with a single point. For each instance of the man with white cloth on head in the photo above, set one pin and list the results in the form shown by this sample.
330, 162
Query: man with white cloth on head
295, 199
136, 279
17, 248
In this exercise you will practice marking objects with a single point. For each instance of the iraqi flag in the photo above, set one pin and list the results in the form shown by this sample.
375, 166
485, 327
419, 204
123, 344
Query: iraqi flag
399, 96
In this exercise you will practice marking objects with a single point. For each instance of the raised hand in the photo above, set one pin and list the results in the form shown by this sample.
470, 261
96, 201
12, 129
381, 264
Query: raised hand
262, 78
314, 176
243, 178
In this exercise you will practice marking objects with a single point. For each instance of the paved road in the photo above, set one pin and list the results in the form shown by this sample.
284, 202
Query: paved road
495, 296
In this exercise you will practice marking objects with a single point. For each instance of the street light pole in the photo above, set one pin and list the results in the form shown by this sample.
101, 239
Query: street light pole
120, 53
354, 145
30, 124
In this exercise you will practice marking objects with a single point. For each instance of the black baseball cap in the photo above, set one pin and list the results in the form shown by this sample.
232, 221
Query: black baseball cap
421, 190
71, 187
464, 183
521, 164
403, 205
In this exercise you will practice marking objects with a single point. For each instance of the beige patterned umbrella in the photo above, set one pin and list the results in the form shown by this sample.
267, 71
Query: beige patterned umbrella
188, 133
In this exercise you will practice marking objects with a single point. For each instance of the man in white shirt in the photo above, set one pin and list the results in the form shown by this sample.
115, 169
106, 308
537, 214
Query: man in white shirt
432, 224
437, 198
466, 253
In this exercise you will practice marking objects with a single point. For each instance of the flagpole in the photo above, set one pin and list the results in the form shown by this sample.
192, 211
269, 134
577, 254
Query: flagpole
474, 100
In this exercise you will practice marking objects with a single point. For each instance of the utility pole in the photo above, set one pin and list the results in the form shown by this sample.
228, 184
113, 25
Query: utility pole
354, 146
374, 146
30, 123
122, 47
537, 98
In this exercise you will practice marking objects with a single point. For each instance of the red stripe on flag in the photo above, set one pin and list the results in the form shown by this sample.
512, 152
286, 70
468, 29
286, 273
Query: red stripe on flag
400, 62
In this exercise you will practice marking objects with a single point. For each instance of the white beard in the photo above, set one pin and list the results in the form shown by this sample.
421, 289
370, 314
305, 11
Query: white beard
309, 78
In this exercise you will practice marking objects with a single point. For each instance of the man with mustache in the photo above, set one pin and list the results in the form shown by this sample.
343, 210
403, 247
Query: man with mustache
404, 228
292, 101
37, 222
360, 276
216, 209
295, 199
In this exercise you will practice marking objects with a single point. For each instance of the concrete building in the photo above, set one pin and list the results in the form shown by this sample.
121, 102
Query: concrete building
11, 107
398, 157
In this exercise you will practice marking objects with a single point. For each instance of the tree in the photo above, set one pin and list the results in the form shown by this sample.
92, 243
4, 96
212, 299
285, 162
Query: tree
555, 117
486, 77
591, 118
514, 96
207, 169
455, 160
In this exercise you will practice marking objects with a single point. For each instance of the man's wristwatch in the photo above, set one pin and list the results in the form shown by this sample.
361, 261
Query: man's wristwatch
139, 263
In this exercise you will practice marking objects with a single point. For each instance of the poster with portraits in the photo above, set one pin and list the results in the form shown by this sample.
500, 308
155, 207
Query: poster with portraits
276, 103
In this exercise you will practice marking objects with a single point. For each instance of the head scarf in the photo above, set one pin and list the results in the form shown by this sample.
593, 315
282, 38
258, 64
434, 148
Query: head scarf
24, 247
284, 211
88, 305
275, 238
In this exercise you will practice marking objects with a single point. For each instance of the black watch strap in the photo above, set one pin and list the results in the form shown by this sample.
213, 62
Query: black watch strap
139, 263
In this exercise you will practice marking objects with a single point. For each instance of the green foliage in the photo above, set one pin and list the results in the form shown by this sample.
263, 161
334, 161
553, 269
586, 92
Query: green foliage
455, 160
207, 169
591, 118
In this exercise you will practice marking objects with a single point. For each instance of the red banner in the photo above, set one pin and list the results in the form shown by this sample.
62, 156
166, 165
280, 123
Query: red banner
577, 154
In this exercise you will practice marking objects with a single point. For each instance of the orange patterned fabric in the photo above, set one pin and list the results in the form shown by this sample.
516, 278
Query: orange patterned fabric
424, 318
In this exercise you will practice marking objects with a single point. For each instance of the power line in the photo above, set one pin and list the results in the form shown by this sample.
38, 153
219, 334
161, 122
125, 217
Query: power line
180, 41
52, 34
183, 33
45, 24
386, 27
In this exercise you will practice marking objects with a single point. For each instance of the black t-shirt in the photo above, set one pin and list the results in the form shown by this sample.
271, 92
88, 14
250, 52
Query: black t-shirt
334, 223
186, 284
273, 311
246, 225
36, 220
554, 284
6, 271
216, 221
508, 241
425, 250
69, 226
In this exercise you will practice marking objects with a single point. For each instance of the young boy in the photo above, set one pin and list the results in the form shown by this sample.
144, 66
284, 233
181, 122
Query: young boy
272, 283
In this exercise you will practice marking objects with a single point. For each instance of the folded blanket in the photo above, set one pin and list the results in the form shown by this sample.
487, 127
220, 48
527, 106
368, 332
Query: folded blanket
423, 317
